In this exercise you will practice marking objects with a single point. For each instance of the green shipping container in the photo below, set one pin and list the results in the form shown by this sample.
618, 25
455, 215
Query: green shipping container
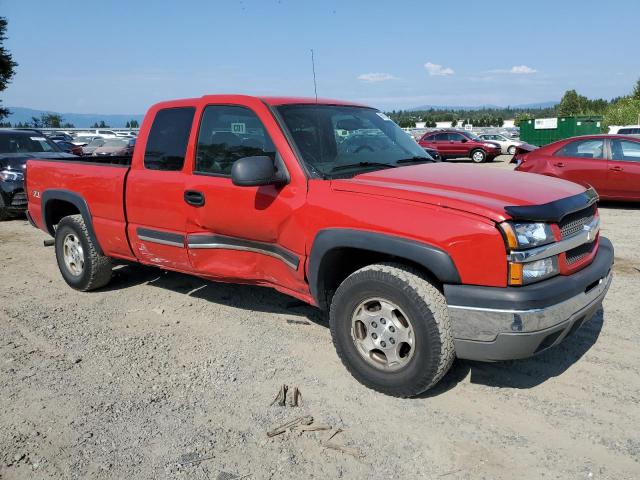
542, 131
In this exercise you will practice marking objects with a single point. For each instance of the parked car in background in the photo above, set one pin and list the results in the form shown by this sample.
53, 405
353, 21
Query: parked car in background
609, 163
507, 144
460, 144
69, 147
83, 139
89, 148
126, 134
16, 146
101, 132
625, 130
60, 136
116, 147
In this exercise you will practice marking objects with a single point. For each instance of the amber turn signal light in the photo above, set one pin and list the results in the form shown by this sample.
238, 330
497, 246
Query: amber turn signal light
515, 273
510, 235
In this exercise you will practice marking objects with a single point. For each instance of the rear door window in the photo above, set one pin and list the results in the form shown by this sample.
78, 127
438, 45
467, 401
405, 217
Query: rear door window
456, 137
168, 139
591, 148
625, 150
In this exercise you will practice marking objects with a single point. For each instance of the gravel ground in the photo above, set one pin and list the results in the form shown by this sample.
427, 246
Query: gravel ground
162, 375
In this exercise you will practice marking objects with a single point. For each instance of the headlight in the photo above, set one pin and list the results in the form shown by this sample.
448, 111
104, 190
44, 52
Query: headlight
11, 175
525, 273
527, 235
490, 145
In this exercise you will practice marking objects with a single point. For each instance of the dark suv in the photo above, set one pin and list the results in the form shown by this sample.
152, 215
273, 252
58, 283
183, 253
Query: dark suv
460, 144
16, 146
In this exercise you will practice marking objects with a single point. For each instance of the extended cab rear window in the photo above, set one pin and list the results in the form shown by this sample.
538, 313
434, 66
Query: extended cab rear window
168, 139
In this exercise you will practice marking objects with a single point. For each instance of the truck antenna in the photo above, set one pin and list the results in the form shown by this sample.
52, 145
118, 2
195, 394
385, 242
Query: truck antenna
313, 67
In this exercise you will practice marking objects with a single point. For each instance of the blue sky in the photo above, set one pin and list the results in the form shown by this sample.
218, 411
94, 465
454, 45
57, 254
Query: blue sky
122, 56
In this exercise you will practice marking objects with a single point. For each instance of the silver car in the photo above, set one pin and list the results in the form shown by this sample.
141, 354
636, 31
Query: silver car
508, 145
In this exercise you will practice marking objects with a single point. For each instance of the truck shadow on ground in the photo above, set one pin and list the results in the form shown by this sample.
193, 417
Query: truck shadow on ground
519, 374
526, 373
246, 297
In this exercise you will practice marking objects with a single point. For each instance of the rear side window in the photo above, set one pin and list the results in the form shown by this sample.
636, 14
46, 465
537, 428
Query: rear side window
582, 149
228, 133
625, 150
168, 138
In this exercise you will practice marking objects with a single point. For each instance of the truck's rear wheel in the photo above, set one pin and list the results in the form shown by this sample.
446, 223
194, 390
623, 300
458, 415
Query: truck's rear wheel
80, 263
391, 329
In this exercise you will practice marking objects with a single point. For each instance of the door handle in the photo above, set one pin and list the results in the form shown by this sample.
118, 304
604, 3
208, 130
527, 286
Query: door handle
616, 169
559, 164
193, 197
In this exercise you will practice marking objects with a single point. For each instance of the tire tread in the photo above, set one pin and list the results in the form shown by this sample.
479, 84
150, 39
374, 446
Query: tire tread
432, 302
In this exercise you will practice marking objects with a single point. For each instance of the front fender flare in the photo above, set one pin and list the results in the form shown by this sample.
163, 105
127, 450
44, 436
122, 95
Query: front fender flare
434, 259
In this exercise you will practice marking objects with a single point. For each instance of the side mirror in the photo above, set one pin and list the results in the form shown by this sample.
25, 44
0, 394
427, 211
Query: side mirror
253, 171
464, 140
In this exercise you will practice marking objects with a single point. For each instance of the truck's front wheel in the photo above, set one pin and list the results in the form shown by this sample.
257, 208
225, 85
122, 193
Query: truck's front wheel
391, 329
81, 264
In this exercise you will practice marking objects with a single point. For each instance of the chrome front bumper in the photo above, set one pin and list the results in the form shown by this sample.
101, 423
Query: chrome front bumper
507, 332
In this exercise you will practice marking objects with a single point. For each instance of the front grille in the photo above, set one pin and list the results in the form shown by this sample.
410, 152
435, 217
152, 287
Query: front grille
576, 254
19, 200
574, 223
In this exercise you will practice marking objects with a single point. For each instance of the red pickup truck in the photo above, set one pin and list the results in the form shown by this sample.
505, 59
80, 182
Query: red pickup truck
417, 262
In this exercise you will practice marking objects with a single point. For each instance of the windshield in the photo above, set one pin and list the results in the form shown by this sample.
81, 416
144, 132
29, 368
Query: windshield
342, 140
31, 142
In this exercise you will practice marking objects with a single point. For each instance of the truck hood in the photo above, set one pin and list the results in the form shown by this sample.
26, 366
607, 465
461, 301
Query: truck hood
473, 189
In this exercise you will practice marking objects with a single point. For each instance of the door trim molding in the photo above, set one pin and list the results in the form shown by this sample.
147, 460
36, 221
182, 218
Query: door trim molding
208, 241
163, 238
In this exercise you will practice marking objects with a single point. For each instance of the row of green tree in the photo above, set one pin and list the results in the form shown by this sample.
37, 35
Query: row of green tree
55, 120
484, 117
617, 111
623, 110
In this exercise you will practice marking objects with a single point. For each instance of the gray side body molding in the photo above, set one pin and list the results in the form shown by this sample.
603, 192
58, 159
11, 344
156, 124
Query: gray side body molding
77, 201
431, 258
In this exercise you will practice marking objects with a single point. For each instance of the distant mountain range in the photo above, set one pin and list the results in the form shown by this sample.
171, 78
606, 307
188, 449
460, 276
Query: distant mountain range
79, 120
523, 106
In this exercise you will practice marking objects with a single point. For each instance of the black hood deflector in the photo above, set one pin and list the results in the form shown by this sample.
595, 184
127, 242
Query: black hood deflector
553, 211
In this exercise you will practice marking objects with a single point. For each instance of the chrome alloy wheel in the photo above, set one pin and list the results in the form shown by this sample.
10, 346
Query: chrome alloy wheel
382, 334
478, 156
73, 254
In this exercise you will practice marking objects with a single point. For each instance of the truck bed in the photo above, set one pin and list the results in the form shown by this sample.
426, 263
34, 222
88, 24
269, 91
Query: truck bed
97, 182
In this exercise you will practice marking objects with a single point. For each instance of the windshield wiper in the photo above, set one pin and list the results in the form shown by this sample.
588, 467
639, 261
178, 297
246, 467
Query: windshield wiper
415, 159
362, 164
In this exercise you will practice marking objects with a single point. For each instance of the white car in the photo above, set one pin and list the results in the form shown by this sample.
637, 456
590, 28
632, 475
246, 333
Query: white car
625, 130
508, 145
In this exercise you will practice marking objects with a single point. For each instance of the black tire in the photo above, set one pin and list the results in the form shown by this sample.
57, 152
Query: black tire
478, 156
96, 270
427, 310
511, 150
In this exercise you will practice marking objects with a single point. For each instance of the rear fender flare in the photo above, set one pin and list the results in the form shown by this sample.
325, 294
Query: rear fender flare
77, 201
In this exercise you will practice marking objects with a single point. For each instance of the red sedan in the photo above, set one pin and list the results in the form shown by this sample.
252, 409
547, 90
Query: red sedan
609, 163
